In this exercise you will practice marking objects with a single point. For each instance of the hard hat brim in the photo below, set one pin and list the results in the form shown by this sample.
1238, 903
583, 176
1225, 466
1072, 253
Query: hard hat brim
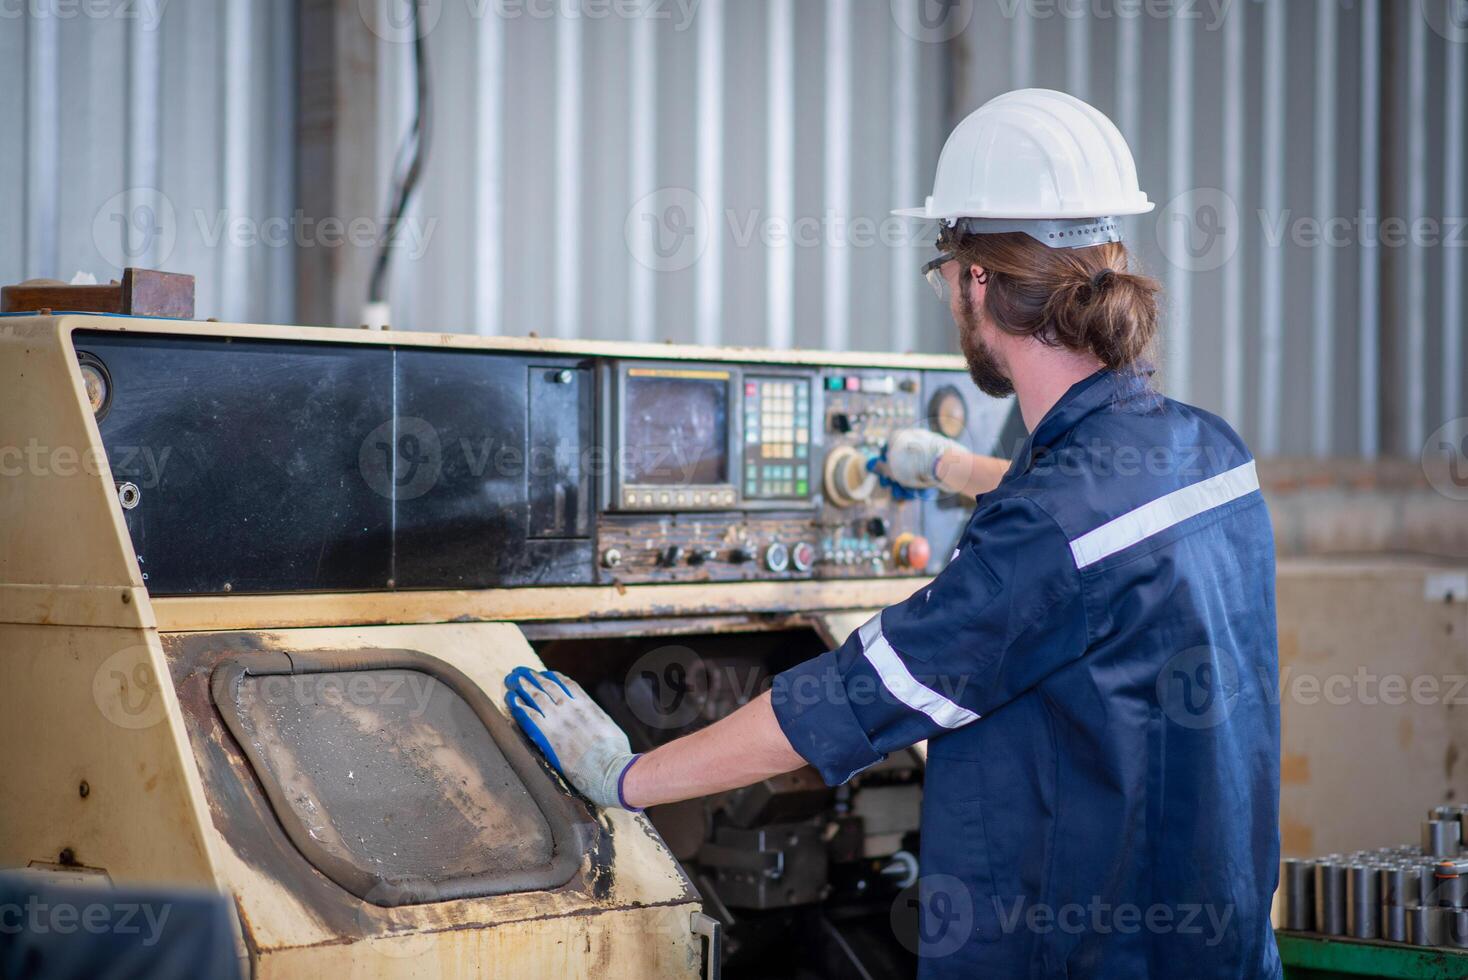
924, 214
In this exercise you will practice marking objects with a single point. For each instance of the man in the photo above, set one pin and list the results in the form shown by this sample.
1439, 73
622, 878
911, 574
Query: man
1093, 668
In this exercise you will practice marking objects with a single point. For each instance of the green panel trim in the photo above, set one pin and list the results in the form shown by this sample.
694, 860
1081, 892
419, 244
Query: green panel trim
1319, 958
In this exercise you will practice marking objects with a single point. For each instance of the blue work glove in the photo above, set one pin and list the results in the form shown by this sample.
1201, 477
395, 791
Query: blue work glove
908, 464
572, 731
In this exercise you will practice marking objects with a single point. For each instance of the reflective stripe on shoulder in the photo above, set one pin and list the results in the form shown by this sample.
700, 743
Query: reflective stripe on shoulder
905, 687
1166, 511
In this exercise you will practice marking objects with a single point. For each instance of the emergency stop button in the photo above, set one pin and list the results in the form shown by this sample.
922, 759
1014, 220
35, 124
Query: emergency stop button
911, 551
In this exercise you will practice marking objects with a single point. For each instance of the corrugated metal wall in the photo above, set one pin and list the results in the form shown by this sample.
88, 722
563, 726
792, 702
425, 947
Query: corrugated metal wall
151, 133
1307, 159
708, 171
721, 170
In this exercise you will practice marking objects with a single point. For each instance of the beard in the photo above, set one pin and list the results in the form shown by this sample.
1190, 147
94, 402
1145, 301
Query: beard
983, 366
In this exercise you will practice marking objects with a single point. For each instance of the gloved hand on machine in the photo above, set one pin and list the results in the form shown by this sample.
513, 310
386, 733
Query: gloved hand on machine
908, 464
574, 733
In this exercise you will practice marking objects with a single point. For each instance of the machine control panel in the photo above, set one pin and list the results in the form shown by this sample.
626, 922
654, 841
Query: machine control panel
777, 438
805, 501
429, 468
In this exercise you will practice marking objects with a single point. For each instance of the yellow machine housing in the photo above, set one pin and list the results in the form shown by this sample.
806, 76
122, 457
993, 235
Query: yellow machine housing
119, 762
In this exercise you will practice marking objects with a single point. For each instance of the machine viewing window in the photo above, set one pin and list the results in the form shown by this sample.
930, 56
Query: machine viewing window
396, 777
677, 427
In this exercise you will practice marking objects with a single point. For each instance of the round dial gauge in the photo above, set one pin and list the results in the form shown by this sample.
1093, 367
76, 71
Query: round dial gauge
949, 412
96, 381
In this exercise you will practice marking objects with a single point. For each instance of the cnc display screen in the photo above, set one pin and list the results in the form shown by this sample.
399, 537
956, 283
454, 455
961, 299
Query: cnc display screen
676, 427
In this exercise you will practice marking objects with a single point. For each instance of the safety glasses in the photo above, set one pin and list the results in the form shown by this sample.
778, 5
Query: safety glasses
933, 272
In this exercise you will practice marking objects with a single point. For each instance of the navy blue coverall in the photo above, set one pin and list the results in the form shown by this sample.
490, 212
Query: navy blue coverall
1095, 673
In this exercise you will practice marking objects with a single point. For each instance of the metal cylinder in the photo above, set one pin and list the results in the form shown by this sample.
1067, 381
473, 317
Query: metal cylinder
1450, 885
1299, 895
1424, 874
1330, 897
1363, 901
1424, 925
1397, 885
1455, 930
1394, 923
1441, 838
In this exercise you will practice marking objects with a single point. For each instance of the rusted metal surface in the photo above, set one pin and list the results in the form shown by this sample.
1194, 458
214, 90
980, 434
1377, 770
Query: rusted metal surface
396, 777
140, 292
196, 613
616, 628
297, 921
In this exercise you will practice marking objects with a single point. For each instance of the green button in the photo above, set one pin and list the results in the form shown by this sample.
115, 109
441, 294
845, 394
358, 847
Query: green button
800, 487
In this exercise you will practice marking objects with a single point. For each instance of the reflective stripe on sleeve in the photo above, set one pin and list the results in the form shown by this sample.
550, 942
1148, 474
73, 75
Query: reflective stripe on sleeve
1166, 511
904, 687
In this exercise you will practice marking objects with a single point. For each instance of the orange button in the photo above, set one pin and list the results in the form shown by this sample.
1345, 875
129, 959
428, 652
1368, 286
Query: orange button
912, 551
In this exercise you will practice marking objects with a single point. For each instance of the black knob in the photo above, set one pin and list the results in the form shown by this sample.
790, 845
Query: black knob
840, 422
701, 555
671, 555
877, 527
741, 555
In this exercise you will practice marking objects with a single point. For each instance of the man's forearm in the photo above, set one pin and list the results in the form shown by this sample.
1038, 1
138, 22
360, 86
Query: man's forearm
742, 748
960, 471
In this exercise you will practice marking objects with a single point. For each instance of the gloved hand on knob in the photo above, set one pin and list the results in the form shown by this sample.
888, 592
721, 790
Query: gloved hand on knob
572, 731
911, 457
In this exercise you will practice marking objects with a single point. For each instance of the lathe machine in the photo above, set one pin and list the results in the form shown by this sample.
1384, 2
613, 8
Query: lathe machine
259, 587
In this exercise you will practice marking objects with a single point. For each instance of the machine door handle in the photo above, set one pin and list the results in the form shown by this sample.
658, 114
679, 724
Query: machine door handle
712, 930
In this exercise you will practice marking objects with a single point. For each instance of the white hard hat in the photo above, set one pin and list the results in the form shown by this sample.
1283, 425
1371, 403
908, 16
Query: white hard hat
1038, 161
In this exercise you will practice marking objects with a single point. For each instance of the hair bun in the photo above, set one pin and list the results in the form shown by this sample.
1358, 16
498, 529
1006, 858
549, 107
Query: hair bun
1102, 279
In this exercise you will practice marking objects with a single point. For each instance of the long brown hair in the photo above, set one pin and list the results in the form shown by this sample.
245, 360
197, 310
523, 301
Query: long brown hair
1082, 299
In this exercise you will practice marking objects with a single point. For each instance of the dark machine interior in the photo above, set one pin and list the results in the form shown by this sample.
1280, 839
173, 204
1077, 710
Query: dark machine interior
786, 858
